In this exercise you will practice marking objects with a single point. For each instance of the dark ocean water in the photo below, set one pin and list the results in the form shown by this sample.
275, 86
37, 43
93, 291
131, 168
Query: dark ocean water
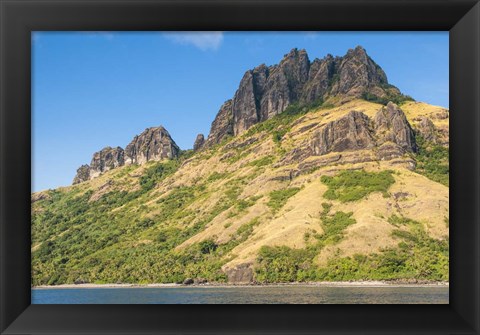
244, 295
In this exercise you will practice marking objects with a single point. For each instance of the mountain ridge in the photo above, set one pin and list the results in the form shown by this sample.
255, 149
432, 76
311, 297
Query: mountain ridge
351, 188
154, 143
264, 92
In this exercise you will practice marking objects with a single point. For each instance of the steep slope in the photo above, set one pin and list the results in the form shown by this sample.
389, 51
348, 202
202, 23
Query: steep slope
347, 192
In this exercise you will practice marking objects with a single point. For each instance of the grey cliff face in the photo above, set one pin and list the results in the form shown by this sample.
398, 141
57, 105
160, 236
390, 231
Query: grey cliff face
106, 159
320, 77
83, 174
267, 91
389, 131
391, 125
199, 141
245, 112
276, 97
285, 84
152, 144
356, 73
222, 126
427, 130
351, 132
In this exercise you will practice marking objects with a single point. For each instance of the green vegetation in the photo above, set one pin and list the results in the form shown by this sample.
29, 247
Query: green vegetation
399, 221
264, 161
172, 204
277, 135
333, 225
133, 237
432, 161
243, 204
242, 233
78, 240
279, 198
280, 124
417, 257
185, 154
134, 231
284, 264
239, 154
354, 185
217, 176
395, 98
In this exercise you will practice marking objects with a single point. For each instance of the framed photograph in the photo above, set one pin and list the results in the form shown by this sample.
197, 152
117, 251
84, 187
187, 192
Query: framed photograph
257, 156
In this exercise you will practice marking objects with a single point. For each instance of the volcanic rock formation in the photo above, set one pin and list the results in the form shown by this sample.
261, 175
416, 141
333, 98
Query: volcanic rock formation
199, 141
153, 144
267, 91
389, 130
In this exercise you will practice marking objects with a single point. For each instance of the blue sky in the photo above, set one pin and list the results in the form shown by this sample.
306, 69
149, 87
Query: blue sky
97, 89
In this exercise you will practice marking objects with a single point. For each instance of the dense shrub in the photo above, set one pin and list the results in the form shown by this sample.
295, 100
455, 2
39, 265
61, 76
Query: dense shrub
217, 176
158, 172
354, 185
283, 264
280, 124
333, 225
266, 160
417, 256
279, 198
433, 161
395, 98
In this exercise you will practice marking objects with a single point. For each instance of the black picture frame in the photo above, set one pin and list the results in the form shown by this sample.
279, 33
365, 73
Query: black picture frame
19, 17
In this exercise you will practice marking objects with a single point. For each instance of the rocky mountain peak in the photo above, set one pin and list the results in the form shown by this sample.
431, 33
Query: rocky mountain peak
267, 91
153, 143
358, 74
358, 52
295, 55
83, 174
261, 68
104, 160
199, 141
296, 66
222, 125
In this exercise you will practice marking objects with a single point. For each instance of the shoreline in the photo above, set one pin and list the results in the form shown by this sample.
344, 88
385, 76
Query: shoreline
226, 285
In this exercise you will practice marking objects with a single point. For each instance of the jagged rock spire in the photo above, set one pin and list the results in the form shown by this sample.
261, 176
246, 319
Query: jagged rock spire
153, 144
199, 141
267, 91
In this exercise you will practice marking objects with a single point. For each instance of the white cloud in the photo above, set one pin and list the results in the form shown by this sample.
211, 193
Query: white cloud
203, 40
310, 35
108, 35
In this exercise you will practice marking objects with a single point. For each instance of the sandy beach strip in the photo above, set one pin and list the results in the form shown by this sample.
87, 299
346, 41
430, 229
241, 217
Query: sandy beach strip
224, 285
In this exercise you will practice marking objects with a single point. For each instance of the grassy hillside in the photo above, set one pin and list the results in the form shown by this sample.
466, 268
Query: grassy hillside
246, 203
